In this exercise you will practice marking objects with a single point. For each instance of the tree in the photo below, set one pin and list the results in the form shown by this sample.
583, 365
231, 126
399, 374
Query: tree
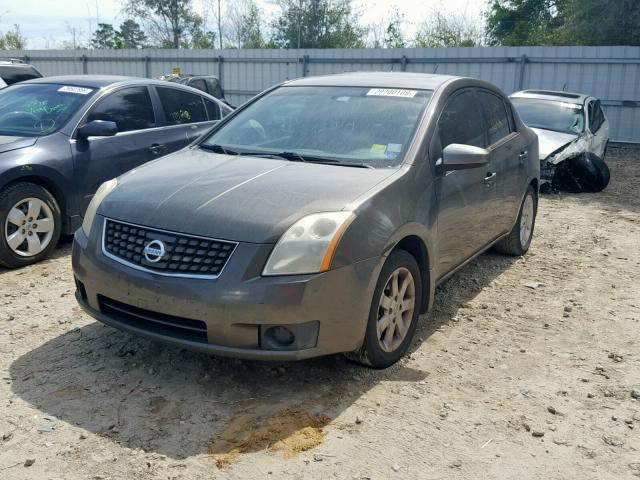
317, 24
169, 23
525, 22
602, 22
244, 28
394, 37
13, 40
131, 35
448, 30
105, 36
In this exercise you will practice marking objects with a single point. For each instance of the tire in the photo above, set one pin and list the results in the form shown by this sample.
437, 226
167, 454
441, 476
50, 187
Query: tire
518, 241
375, 352
584, 173
40, 235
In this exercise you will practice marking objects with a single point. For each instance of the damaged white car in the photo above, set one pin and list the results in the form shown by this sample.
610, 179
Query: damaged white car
573, 134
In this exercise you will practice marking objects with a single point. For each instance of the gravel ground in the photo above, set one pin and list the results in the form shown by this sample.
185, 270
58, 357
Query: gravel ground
525, 368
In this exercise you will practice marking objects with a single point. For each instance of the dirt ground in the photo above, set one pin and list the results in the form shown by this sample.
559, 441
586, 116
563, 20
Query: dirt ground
524, 369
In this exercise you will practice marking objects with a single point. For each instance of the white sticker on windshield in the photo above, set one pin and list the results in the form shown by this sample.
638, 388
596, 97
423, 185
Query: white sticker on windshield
391, 92
79, 90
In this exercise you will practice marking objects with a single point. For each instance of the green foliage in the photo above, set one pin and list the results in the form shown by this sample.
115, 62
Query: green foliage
168, 23
244, 28
394, 38
317, 24
104, 37
563, 22
442, 30
131, 35
13, 40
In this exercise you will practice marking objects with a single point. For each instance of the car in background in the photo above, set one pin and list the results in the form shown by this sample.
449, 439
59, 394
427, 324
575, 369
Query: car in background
316, 219
14, 70
573, 133
206, 83
61, 137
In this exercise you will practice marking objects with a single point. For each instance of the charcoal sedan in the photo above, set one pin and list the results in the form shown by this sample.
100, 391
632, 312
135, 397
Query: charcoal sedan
317, 218
61, 137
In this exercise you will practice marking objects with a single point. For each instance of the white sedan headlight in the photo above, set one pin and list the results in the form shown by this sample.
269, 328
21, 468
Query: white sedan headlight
308, 245
104, 190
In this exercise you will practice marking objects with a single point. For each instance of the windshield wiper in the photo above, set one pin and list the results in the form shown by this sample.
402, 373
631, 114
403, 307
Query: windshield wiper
291, 156
219, 149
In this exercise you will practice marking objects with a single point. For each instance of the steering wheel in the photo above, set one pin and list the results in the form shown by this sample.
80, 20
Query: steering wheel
26, 115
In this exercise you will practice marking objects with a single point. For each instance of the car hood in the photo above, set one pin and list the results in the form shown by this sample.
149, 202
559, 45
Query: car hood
244, 199
8, 142
550, 141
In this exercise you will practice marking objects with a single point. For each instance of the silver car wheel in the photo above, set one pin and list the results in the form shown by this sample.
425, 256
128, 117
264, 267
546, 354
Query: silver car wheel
29, 227
526, 220
395, 310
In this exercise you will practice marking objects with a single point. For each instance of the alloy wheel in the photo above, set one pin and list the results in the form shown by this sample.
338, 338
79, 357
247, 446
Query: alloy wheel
526, 220
395, 309
29, 227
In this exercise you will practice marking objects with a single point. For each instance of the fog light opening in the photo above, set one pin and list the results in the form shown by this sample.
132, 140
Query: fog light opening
280, 335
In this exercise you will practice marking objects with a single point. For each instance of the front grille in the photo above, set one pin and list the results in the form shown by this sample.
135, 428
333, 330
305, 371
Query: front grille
185, 255
160, 323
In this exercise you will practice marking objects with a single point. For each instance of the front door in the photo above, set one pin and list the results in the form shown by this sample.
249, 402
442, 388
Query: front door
465, 218
97, 159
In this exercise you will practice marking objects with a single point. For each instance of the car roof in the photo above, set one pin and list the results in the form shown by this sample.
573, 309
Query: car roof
554, 95
420, 81
102, 81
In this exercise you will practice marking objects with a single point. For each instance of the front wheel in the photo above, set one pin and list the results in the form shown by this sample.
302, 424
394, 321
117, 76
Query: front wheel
394, 312
519, 239
31, 224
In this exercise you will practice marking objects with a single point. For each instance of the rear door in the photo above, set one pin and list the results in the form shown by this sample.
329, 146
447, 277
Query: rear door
185, 115
508, 159
465, 197
97, 159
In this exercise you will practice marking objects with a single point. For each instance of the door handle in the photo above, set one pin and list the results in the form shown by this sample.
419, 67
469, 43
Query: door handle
489, 178
523, 156
157, 148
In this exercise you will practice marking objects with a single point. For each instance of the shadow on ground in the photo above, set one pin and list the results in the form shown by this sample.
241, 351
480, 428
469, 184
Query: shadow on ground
62, 250
174, 402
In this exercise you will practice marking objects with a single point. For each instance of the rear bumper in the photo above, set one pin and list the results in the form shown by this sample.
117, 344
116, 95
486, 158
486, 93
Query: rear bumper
235, 308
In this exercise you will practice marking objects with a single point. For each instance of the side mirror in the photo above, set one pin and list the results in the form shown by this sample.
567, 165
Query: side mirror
460, 157
98, 128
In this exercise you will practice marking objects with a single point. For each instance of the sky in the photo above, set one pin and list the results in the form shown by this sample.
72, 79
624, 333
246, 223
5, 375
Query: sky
48, 23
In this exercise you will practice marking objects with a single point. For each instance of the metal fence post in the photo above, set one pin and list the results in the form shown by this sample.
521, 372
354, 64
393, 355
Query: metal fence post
305, 63
403, 63
84, 59
147, 67
220, 60
523, 64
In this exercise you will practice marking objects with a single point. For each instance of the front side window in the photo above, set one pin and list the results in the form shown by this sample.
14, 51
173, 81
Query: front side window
370, 126
181, 107
214, 87
596, 116
461, 122
495, 115
552, 115
130, 109
35, 110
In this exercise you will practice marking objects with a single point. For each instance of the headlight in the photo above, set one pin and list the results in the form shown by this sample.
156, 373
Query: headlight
104, 190
308, 245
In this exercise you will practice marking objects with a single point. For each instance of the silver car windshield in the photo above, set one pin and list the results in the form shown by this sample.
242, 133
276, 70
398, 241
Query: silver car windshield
550, 115
35, 110
371, 127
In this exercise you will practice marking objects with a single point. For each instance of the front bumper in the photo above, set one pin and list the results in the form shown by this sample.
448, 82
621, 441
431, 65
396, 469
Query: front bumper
237, 307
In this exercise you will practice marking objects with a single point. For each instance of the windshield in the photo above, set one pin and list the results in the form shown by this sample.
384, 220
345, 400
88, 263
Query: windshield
360, 126
550, 115
39, 109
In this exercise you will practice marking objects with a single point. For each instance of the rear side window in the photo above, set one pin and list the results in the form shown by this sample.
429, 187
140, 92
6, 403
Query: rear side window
181, 107
130, 108
199, 84
596, 116
495, 115
461, 122
214, 87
